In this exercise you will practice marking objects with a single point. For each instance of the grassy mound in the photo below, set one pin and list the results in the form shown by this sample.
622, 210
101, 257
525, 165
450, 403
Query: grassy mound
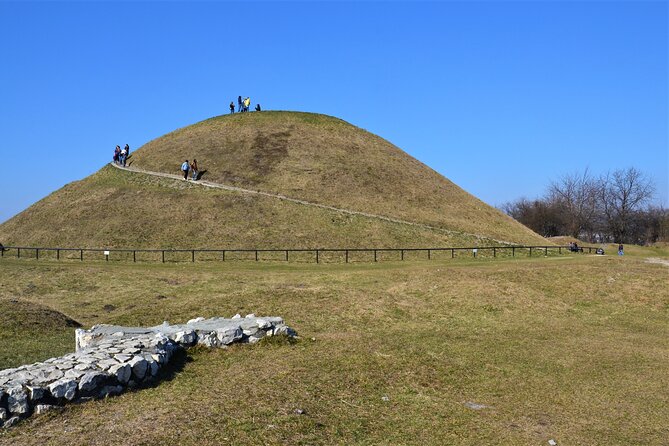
326, 160
119, 209
33, 331
300, 155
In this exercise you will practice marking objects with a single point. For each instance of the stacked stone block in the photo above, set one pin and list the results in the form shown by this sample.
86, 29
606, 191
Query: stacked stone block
109, 359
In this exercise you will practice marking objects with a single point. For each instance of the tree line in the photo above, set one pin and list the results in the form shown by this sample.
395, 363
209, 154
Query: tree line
614, 207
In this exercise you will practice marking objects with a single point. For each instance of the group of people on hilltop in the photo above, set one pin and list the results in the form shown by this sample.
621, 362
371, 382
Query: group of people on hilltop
187, 167
121, 155
243, 105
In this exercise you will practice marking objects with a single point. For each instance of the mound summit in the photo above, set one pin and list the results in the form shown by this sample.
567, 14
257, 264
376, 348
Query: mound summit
312, 157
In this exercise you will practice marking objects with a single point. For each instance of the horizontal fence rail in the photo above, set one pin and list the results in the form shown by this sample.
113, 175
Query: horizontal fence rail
305, 254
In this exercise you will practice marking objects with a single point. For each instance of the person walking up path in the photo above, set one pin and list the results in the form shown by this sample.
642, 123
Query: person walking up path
184, 168
117, 154
193, 167
123, 156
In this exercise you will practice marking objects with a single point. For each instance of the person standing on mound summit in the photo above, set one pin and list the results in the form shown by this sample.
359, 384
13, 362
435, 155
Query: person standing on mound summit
184, 168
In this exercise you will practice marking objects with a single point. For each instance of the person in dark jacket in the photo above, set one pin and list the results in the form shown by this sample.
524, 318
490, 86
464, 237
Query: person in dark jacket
232, 107
239, 103
194, 169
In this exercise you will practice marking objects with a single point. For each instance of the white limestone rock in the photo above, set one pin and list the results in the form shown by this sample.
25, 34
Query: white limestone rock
139, 366
230, 334
36, 393
187, 337
64, 388
17, 401
208, 339
284, 330
122, 372
91, 381
263, 323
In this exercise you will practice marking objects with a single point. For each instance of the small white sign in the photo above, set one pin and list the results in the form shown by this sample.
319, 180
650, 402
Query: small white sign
106, 253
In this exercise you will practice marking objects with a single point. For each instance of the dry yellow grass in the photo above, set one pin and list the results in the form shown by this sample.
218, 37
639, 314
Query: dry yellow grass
118, 209
570, 348
326, 160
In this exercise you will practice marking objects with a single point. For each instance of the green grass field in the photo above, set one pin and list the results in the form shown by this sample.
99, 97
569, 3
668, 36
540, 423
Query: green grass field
571, 348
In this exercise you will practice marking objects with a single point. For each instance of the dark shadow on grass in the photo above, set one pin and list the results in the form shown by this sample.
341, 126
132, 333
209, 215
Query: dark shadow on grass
200, 174
170, 370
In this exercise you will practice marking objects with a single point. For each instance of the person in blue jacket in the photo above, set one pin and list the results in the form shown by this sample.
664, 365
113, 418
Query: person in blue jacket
184, 168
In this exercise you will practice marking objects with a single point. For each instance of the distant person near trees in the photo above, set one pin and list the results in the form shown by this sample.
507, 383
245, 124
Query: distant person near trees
240, 105
194, 169
621, 249
184, 168
257, 107
232, 107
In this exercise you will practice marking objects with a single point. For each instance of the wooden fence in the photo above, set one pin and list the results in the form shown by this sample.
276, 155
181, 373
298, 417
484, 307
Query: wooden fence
310, 254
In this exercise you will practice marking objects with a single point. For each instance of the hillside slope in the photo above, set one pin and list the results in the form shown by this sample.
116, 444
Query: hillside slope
118, 209
304, 156
326, 160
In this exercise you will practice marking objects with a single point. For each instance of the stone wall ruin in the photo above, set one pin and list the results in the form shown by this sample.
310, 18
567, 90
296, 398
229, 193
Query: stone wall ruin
110, 359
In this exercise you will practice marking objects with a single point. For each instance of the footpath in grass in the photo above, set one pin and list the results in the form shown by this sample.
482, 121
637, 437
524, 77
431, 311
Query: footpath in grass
493, 352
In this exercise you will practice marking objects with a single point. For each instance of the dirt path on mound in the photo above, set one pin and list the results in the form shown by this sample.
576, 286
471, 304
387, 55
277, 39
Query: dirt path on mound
302, 202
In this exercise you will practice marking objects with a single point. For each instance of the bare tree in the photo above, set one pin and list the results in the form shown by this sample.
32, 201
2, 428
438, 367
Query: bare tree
622, 194
576, 196
538, 215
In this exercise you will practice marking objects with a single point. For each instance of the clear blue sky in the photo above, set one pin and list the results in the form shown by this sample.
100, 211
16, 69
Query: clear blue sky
500, 97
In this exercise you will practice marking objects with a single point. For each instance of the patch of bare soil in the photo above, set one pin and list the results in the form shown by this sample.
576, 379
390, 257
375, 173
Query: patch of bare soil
664, 262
